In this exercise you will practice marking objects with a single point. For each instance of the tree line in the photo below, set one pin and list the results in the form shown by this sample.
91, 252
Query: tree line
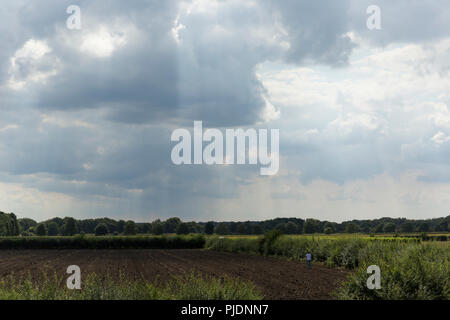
11, 226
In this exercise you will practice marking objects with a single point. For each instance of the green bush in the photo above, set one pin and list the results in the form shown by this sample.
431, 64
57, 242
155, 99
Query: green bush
183, 228
222, 229
249, 245
209, 227
52, 229
101, 230
41, 230
157, 228
265, 244
69, 226
130, 228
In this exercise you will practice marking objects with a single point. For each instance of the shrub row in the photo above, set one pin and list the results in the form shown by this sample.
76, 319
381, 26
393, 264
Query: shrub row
107, 242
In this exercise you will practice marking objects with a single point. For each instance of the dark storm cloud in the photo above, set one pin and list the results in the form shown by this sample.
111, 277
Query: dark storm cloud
316, 30
208, 75
140, 79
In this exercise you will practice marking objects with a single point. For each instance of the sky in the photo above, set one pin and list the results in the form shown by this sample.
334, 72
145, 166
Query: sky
86, 115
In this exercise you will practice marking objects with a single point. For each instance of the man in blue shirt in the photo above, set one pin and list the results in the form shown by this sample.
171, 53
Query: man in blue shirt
308, 259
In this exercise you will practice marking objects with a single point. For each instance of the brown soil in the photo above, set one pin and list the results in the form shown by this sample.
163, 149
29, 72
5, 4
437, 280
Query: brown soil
276, 278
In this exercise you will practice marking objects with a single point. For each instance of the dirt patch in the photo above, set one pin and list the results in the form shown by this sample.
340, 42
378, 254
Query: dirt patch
276, 278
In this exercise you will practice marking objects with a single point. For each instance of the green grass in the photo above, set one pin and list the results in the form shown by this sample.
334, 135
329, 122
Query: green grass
439, 236
94, 287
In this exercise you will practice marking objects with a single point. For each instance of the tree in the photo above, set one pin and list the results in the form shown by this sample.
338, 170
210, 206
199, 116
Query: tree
40, 230
257, 229
280, 227
8, 224
222, 229
351, 228
291, 228
241, 228
182, 228
157, 228
364, 226
329, 227
101, 230
424, 227
442, 226
120, 226
379, 228
69, 227
209, 227
389, 227
130, 228
15, 229
26, 223
407, 227
171, 224
194, 227
145, 228
311, 226
52, 229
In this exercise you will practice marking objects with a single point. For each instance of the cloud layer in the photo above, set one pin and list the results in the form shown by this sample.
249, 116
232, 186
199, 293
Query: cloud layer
86, 115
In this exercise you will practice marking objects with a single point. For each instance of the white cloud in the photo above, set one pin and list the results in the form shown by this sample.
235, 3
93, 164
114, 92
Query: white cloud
345, 125
270, 112
9, 127
32, 63
177, 27
440, 138
65, 122
32, 49
103, 42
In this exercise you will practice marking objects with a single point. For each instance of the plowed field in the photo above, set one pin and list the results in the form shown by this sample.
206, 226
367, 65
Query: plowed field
276, 278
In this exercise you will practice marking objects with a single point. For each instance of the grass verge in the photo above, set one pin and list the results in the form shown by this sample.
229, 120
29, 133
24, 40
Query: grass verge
94, 287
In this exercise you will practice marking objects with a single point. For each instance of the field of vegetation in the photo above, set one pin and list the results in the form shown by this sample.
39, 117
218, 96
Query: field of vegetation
410, 268
414, 237
188, 287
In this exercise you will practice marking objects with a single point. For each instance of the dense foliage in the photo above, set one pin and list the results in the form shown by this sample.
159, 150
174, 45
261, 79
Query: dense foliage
420, 271
188, 287
101, 230
9, 225
41, 230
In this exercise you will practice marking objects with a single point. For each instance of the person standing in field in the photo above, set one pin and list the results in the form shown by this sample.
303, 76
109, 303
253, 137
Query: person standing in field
308, 260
